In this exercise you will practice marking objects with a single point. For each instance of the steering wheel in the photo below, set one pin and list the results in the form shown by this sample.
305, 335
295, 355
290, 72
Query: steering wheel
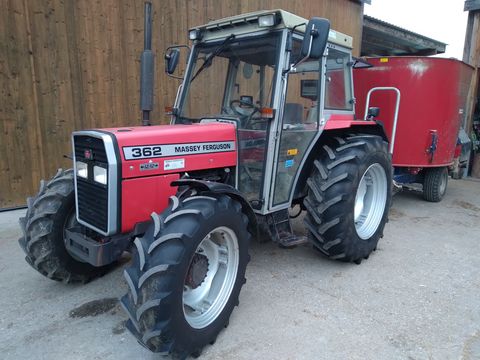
245, 116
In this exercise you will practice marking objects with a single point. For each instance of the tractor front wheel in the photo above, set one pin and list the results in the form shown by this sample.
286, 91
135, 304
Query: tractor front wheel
186, 275
348, 198
49, 214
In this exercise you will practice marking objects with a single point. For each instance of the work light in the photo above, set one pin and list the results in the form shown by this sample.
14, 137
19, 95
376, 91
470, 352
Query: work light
82, 169
195, 34
100, 175
266, 20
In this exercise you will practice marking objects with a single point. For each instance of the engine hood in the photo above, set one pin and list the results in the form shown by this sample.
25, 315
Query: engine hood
163, 149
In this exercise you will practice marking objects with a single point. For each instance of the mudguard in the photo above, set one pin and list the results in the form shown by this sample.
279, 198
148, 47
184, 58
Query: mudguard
334, 128
221, 188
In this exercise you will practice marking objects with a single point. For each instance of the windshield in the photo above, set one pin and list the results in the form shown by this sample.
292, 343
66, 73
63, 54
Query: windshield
233, 78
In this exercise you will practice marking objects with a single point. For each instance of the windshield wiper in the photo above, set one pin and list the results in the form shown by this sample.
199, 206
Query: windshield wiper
208, 60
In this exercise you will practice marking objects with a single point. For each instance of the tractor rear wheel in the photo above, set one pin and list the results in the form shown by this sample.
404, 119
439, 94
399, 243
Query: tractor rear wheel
43, 241
435, 184
186, 275
349, 193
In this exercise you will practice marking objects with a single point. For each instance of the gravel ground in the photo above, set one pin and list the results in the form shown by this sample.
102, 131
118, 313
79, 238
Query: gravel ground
416, 297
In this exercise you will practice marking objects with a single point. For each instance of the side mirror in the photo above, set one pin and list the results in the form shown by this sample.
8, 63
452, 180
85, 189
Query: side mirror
171, 60
316, 38
373, 112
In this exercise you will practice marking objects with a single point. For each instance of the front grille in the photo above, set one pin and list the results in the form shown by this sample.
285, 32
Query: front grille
92, 197
92, 204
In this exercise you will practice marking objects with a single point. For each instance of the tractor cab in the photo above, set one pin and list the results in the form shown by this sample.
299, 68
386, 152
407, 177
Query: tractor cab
260, 78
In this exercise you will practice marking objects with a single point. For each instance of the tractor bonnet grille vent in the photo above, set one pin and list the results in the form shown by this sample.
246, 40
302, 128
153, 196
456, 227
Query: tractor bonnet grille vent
92, 204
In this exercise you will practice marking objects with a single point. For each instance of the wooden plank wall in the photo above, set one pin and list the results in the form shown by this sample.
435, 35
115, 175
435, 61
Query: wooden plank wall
74, 64
471, 55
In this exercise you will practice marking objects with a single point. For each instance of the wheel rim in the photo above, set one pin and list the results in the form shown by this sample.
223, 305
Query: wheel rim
370, 201
202, 304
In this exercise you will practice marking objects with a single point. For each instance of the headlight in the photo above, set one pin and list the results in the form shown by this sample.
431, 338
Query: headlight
100, 175
82, 169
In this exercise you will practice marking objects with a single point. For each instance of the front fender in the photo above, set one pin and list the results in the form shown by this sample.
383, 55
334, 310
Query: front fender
332, 129
220, 188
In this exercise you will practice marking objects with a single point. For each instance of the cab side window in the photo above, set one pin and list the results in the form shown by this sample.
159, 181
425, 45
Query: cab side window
338, 87
301, 105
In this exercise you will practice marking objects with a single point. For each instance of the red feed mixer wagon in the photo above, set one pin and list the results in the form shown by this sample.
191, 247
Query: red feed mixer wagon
432, 95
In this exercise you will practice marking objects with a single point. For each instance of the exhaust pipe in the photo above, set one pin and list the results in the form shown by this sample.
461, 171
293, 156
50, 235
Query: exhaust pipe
147, 62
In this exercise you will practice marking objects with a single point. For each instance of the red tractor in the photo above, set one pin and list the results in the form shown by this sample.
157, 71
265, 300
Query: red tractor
276, 129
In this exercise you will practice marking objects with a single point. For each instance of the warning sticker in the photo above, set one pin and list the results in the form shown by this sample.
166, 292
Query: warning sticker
174, 164
292, 152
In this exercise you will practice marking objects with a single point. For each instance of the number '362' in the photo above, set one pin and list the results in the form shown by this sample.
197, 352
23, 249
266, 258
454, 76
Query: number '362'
146, 151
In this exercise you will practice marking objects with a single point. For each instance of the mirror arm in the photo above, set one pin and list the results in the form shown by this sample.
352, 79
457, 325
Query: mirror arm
174, 76
178, 46
313, 33
290, 36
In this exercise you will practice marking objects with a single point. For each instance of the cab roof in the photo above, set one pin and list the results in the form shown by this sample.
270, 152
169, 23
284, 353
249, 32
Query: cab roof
246, 23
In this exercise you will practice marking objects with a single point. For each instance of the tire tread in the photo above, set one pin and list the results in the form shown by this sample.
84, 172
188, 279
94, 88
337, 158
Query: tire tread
329, 201
39, 241
150, 290
432, 183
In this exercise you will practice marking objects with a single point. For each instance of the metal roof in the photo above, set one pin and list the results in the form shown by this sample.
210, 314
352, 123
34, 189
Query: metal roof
246, 23
384, 39
472, 5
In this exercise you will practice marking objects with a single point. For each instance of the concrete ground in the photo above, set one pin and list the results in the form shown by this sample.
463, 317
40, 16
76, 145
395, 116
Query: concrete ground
417, 297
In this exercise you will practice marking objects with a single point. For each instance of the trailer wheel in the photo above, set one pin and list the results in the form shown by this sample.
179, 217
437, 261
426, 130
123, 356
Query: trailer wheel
48, 215
435, 184
349, 193
186, 275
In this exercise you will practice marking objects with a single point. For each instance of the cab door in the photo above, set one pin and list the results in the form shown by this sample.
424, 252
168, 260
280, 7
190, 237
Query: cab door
298, 127
314, 91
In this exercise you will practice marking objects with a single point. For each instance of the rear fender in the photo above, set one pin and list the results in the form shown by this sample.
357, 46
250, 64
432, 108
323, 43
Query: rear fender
351, 127
220, 188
